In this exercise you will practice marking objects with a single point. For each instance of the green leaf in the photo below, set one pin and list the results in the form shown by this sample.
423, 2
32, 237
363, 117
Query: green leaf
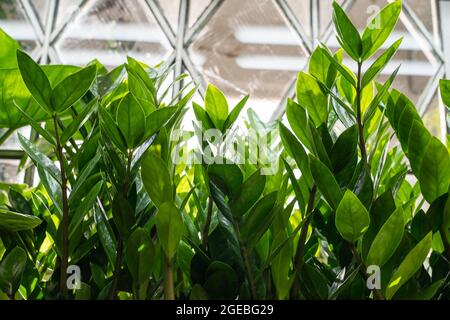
380, 28
221, 282
82, 208
387, 240
36, 126
72, 88
382, 92
298, 120
227, 176
344, 149
234, 114
259, 219
310, 96
123, 215
39, 158
248, 193
131, 120
111, 130
8, 58
35, 80
296, 150
347, 34
158, 119
140, 255
380, 63
418, 140
352, 219
445, 91
409, 266
169, 224
202, 117
11, 270
434, 174
320, 67
325, 181
137, 73
216, 106
156, 179
79, 121
335, 62
15, 221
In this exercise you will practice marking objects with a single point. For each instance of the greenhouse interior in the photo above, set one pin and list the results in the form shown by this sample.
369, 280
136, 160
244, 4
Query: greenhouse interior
225, 150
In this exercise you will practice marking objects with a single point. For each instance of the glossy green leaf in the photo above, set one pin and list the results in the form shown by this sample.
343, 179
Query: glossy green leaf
12, 268
444, 86
352, 219
387, 240
227, 176
298, 120
248, 193
379, 29
216, 106
169, 225
123, 215
409, 266
140, 255
131, 120
35, 80
156, 179
310, 96
380, 63
8, 58
15, 221
347, 34
325, 181
434, 174
72, 88
258, 220
234, 114
79, 121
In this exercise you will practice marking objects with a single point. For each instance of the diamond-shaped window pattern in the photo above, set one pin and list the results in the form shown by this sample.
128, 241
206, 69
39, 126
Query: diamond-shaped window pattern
109, 31
252, 46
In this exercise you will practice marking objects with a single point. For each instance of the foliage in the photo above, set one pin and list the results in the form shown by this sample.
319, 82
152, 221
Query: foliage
359, 183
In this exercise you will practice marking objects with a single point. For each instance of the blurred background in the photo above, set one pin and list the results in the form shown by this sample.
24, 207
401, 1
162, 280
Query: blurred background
241, 46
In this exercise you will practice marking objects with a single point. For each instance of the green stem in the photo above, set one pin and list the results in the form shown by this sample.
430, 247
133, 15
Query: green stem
362, 144
445, 241
299, 255
247, 266
119, 254
169, 291
65, 212
363, 270
6, 135
207, 223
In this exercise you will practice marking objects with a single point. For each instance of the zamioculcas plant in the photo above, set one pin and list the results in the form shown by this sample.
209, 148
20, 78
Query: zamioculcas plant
346, 199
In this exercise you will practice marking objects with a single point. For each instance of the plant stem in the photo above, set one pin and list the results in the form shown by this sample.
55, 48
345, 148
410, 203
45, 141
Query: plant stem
299, 255
117, 265
169, 291
362, 144
363, 270
119, 254
247, 266
6, 135
207, 223
65, 212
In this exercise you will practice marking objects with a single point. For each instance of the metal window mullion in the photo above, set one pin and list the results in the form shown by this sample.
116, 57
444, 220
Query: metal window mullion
161, 20
201, 21
52, 11
33, 17
194, 73
295, 24
179, 46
